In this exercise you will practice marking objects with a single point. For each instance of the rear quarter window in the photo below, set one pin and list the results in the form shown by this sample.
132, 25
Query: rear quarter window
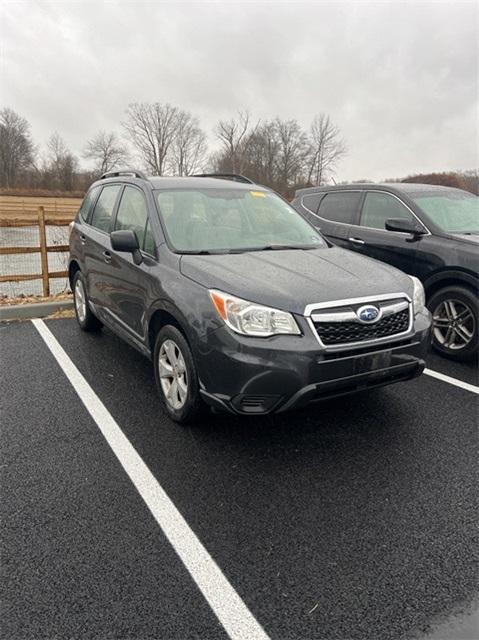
340, 206
311, 201
88, 202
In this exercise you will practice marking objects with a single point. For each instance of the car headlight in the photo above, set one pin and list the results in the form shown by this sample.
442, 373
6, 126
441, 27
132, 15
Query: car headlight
419, 297
251, 319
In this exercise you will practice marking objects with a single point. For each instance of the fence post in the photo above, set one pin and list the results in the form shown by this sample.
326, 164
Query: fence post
43, 250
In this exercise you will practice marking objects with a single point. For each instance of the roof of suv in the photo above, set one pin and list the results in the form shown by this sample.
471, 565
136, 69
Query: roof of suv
200, 181
403, 187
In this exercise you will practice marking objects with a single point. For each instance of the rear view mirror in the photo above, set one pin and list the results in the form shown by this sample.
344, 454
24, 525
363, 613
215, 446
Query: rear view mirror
403, 225
127, 242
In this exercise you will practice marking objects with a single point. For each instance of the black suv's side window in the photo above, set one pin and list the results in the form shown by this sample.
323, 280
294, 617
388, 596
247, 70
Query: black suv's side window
340, 206
105, 204
379, 207
133, 214
87, 203
311, 201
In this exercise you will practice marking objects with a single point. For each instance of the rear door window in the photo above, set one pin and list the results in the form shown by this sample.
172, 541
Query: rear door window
103, 211
340, 206
379, 207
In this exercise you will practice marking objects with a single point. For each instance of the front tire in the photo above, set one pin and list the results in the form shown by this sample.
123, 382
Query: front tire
85, 318
176, 376
455, 322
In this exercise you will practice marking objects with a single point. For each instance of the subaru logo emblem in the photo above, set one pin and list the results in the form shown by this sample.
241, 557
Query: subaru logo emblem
368, 314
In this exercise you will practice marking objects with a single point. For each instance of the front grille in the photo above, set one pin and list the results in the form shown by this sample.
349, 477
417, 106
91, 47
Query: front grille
337, 333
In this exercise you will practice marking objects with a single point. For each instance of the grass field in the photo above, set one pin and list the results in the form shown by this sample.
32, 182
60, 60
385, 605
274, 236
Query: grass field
23, 210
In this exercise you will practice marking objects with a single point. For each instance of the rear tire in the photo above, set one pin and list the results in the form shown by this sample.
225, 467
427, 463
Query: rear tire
85, 318
176, 377
455, 323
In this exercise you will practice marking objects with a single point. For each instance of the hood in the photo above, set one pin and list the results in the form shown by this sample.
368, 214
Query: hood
472, 238
291, 279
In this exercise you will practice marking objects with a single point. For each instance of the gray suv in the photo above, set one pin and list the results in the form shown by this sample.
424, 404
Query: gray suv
238, 300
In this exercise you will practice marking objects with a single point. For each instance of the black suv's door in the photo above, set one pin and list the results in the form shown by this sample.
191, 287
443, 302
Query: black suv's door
129, 284
371, 238
336, 212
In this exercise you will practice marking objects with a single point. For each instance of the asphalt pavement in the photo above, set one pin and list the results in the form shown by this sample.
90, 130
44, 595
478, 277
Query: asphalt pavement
353, 519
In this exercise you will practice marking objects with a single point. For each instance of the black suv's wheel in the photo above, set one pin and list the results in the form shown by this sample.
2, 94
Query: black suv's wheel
176, 376
85, 317
455, 322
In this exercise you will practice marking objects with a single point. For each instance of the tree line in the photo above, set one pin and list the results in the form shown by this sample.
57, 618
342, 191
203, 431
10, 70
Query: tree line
166, 140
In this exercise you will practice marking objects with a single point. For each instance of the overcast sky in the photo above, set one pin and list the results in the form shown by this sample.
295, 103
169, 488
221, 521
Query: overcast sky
400, 79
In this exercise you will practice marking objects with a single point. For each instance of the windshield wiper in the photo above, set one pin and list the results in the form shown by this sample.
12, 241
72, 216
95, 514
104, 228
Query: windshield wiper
205, 252
283, 247
191, 252
268, 247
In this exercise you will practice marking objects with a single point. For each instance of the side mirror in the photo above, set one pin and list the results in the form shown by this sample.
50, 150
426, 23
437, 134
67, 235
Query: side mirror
404, 226
127, 242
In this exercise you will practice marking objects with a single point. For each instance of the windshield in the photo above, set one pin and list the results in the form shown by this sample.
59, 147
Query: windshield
230, 220
453, 211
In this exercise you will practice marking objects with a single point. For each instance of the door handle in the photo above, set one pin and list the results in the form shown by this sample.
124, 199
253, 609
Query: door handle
107, 256
356, 240
82, 238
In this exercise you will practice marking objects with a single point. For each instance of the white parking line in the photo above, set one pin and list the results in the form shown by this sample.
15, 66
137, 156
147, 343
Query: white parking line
230, 610
454, 381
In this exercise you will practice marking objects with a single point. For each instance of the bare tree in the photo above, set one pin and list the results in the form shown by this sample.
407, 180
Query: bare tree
327, 148
471, 180
262, 154
292, 152
62, 166
189, 147
235, 136
273, 153
152, 129
106, 150
16, 147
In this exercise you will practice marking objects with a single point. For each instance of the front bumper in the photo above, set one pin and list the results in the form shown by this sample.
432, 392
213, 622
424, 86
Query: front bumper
256, 376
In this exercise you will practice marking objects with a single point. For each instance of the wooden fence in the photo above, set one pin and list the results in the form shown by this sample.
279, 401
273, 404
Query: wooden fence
30, 218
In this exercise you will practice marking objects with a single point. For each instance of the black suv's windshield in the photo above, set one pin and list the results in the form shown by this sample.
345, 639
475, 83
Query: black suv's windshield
452, 210
231, 220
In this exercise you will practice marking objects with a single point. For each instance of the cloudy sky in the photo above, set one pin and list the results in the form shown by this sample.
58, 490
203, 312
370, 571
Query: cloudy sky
400, 79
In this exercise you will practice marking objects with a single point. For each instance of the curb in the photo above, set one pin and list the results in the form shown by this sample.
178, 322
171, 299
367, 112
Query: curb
34, 310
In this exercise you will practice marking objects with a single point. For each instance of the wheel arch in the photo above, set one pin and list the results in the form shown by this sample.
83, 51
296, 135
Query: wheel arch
73, 267
162, 315
448, 278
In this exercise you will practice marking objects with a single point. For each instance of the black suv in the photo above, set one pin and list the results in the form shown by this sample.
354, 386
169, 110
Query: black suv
237, 299
428, 231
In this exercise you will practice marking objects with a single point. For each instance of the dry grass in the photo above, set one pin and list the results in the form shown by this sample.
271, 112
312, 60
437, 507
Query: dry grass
19, 210
28, 218
41, 193
6, 300
65, 313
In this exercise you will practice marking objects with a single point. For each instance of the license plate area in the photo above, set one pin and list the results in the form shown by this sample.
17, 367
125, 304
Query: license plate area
373, 361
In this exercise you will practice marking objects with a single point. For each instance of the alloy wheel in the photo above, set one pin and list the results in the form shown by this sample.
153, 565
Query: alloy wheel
80, 300
454, 324
173, 377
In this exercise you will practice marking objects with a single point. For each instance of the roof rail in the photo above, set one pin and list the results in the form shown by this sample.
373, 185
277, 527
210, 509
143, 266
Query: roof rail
236, 177
124, 172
